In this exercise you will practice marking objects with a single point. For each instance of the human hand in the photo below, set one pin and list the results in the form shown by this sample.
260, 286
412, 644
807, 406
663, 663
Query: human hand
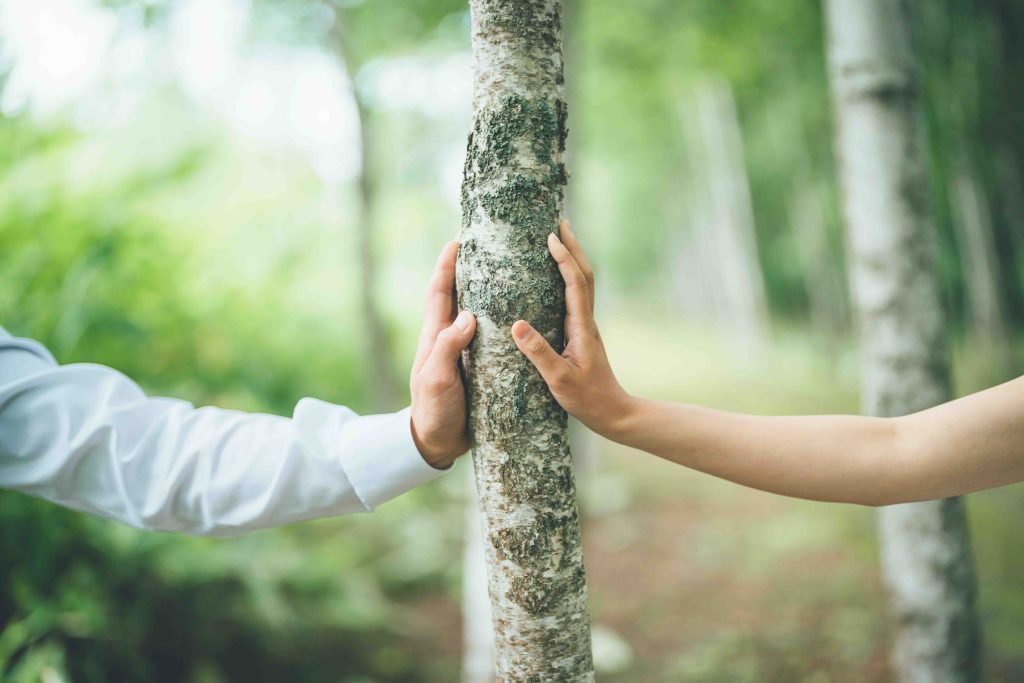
580, 378
438, 400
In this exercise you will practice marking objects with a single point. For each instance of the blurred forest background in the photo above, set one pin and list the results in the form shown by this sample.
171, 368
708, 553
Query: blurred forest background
239, 202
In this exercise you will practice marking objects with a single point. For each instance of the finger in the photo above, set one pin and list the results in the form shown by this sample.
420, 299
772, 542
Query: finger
578, 312
537, 349
440, 304
441, 287
576, 249
450, 342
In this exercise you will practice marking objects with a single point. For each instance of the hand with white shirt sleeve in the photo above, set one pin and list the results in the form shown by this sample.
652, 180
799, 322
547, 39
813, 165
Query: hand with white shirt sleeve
87, 437
438, 396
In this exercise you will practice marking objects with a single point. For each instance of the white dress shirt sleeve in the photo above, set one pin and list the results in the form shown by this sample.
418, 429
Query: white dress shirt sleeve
86, 437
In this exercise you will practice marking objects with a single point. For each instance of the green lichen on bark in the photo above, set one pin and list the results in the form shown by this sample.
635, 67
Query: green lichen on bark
528, 27
513, 177
511, 201
523, 482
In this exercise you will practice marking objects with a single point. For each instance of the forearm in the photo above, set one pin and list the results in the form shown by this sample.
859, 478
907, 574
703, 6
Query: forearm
834, 458
973, 443
87, 437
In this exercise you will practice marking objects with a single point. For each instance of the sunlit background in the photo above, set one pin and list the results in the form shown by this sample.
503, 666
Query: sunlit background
238, 203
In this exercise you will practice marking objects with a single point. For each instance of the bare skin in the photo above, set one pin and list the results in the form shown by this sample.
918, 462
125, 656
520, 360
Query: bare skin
970, 444
439, 426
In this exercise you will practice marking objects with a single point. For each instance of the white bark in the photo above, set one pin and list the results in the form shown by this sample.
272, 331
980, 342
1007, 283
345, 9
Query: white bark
926, 561
511, 200
728, 286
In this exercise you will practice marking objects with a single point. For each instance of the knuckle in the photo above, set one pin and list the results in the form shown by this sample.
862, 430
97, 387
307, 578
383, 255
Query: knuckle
577, 280
436, 383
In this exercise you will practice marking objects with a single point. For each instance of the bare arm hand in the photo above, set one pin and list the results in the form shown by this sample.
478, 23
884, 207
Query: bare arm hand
970, 444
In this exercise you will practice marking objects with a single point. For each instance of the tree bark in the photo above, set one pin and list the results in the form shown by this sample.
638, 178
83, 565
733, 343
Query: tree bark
926, 559
511, 201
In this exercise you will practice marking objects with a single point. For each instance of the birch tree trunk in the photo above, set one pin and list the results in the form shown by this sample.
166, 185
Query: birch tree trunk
511, 200
926, 559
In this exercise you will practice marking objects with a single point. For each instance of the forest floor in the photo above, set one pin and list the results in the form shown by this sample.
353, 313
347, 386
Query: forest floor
694, 579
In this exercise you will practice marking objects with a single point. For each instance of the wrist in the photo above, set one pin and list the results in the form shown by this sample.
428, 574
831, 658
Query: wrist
438, 457
619, 422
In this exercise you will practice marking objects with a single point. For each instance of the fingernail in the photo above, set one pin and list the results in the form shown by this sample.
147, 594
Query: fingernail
564, 224
553, 236
521, 330
463, 320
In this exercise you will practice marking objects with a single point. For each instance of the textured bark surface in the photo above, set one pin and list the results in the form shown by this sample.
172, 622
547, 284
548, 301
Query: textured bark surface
926, 559
512, 199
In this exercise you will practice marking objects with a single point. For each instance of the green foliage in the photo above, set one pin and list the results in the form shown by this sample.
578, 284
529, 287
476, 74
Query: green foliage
207, 268
98, 276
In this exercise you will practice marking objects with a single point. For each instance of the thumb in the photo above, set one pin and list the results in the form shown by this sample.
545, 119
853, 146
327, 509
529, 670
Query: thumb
452, 340
536, 348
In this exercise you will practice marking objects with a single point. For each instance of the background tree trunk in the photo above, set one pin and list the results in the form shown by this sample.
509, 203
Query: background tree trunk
720, 277
926, 559
512, 199
982, 277
823, 281
383, 384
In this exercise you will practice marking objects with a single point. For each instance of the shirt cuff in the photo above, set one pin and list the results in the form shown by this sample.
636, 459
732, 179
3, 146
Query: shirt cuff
377, 452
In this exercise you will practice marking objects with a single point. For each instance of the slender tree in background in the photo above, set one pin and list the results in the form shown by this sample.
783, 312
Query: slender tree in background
980, 262
719, 276
824, 272
384, 386
926, 557
823, 281
512, 199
